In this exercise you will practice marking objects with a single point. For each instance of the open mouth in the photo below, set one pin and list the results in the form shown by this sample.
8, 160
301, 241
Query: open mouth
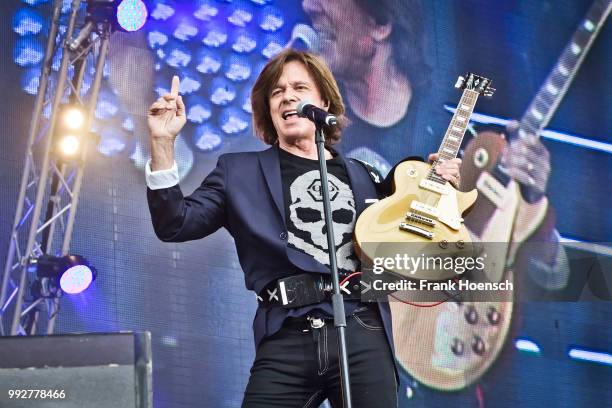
287, 114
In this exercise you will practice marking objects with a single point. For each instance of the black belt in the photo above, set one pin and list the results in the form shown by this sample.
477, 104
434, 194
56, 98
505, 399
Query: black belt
307, 289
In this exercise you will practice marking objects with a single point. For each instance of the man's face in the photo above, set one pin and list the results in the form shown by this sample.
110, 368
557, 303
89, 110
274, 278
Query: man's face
345, 33
294, 85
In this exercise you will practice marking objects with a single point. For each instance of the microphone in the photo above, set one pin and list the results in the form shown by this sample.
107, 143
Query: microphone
307, 35
320, 117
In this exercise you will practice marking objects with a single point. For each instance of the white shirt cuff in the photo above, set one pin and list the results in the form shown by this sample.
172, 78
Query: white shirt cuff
161, 178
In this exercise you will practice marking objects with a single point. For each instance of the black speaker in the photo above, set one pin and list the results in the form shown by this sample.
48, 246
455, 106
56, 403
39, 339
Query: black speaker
96, 370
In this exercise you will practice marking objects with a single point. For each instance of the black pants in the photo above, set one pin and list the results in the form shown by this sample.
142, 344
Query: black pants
298, 365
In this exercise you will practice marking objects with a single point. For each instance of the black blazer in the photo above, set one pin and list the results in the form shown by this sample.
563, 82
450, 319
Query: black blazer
244, 194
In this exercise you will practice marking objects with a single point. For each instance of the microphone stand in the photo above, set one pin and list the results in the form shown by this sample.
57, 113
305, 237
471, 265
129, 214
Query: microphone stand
337, 300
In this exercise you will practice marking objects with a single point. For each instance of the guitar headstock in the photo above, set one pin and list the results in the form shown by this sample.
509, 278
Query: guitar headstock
476, 83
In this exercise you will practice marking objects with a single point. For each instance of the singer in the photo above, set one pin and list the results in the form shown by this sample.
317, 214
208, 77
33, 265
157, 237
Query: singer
269, 203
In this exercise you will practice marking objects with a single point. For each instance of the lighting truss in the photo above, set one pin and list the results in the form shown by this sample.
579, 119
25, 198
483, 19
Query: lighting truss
50, 182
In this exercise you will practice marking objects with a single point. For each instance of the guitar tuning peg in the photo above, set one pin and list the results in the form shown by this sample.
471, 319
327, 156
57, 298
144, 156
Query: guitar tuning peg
478, 345
460, 82
457, 347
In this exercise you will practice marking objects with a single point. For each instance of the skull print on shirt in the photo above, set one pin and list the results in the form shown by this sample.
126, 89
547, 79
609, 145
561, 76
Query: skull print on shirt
306, 222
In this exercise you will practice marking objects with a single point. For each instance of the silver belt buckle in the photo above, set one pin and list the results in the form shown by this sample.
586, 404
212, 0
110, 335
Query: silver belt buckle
316, 322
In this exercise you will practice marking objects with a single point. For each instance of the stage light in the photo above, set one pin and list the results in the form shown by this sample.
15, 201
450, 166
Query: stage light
215, 36
527, 345
128, 15
132, 15
591, 356
206, 12
28, 51
233, 121
72, 273
30, 80
69, 145
176, 54
244, 42
271, 19
74, 118
207, 138
157, 39
70, 128
27, 22
272, 45
199, 110
76, 279
222, 92
209, 61
240, 16
185, 30
190, 83
237, 68
162, 12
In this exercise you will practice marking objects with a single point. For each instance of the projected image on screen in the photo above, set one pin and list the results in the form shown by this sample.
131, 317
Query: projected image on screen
545, 136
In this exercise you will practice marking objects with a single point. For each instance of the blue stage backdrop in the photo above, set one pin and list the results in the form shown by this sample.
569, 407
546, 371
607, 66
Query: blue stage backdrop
191, 295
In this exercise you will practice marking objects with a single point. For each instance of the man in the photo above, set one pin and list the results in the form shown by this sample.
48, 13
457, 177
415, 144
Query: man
269, 201
375, 50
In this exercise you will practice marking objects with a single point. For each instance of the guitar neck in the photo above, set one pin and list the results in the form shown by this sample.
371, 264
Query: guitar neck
449, 148
546, 101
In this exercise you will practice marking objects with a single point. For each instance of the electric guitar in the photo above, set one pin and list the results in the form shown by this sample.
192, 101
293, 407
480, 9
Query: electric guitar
506, 211
424, 207
450, 346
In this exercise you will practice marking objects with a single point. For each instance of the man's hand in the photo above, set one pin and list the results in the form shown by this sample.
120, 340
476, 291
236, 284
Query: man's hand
166, 116
527, 160
448, 169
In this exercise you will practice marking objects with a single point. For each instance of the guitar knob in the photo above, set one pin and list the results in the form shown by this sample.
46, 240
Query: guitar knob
478, 345
481, 158
471, 315
493, 316
457, 347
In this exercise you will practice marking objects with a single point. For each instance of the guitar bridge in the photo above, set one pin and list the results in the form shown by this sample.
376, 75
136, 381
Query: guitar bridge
421, 219
416, 230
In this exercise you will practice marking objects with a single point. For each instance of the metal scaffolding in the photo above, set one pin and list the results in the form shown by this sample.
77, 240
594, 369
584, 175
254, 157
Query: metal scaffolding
48, 181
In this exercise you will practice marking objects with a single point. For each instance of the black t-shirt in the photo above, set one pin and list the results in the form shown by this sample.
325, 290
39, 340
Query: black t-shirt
302, 212
304, 209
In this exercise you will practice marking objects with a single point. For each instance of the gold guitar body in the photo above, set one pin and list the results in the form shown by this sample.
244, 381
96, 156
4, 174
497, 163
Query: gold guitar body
450, 346
378, 232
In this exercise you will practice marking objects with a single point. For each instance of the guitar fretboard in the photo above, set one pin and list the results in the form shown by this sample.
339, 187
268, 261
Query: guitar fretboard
546, 101
449, 148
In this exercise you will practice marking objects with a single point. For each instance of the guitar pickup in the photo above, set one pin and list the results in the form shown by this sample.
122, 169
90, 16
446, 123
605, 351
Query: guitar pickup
491, 188
416, 230
421, 219
433, 186
423, 208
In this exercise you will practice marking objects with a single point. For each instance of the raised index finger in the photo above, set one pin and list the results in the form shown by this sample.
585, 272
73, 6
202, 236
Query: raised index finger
175, 86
